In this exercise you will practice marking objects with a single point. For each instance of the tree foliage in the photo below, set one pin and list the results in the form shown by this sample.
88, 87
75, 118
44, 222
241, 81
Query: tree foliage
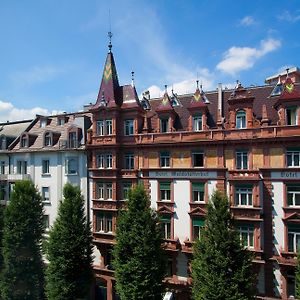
297, 276
22, 276
138, 256
69, 250
222, 267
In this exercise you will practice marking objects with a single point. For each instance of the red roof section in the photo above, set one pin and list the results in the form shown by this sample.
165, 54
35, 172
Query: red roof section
165, 104
290, 91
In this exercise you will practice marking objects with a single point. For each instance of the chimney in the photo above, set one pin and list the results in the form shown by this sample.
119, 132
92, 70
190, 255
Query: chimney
220, 100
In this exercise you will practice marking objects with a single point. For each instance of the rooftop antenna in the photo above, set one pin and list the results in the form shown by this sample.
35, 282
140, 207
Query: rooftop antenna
109, 33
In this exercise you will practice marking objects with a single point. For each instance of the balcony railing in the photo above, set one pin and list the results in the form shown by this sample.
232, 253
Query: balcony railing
69, 144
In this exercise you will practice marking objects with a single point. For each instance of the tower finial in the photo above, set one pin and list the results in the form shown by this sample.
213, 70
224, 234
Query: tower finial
109, 33
166, 88
287, 72
132, 78
197, 81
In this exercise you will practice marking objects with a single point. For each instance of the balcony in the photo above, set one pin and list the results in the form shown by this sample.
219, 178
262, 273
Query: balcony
15, 177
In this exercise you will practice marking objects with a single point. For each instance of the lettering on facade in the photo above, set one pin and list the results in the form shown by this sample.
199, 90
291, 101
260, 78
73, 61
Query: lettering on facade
284, 174
182, 174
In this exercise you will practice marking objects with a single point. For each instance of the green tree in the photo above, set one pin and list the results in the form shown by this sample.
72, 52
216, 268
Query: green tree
138, 257
297, 276
1, 236
222, 267
69, 250
22, 276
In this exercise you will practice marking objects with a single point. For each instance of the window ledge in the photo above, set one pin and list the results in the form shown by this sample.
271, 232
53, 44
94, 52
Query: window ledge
46, 203
46, 175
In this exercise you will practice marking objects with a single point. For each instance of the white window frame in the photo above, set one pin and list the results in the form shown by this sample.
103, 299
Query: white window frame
240, 119
45, 166
129, 127
294, 158
296, 236
129, 161
104, 223
48, 139
68, 170
292, 116
247, 231
241, 192
197, 122
294, 194
108, 126
164, 125
46, 194
242, 155
100, 127
165, 159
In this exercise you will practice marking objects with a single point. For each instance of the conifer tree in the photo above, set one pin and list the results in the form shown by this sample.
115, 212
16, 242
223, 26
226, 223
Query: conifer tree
22, 275
69, 250
1, 236
222, 267
138, 257
297, 276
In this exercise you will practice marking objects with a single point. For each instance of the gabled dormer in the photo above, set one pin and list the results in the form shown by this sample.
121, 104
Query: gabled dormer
288, 104
166, 114
241, 109
198, 110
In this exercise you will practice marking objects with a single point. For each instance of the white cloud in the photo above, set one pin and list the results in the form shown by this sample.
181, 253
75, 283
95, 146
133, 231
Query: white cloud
8, 112
247, 21
237, 59
35, 75
287, 16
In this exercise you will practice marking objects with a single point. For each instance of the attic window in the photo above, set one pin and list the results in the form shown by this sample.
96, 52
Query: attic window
61, 121
174, 100
145, 104
48, 139
43, 123
291, 115
277, 91
24, 141
204, 98
241, 119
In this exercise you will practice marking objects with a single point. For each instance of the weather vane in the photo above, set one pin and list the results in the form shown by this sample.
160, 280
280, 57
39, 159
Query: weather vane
109, 33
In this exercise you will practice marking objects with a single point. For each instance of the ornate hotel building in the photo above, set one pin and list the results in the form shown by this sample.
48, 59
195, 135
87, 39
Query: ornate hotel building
243, 141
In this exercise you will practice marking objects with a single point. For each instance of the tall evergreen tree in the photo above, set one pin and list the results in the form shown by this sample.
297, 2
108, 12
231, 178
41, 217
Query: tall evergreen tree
222, 267
1, 236
22, 276
69, 250
297, 276
138, 258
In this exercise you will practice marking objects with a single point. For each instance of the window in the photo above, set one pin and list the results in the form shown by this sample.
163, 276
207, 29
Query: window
243, 195
103, 222
71, 166
165, 191
43, 123
198, 159
48, 139
100, 127
197, 224
3, 142
21, 167
293, 157
242, 160
126, 188
45, 166
291, 285
291, 116
164, 125
197, 123
247, 235
61, 121
293, 194
24, 141
108, 127
128, 127
293, 238
46, 194
129, 161
277, 91
165, 159
73, 139
104, 160
2, 167
46, 222
241, 119
104, 127
166, 226
104, 191
198, 191
2, 191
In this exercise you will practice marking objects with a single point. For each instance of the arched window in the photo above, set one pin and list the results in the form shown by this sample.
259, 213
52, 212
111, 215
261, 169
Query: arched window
240, 119
48, 139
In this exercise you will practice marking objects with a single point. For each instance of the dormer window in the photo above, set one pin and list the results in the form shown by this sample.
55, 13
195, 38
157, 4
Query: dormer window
61, 121
277, 91
3, 142
197, 122
164, 125
291, 115
43, 123
73, 139
241, 119
24, 141
48, 139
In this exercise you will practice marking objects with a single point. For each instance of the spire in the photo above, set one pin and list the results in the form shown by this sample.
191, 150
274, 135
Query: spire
109, 84
132, 78
109, 43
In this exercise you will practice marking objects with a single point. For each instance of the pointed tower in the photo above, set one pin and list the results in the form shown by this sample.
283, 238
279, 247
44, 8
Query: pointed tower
108, 92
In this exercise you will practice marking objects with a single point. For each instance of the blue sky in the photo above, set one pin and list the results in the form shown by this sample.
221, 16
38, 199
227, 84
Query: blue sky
52, 52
